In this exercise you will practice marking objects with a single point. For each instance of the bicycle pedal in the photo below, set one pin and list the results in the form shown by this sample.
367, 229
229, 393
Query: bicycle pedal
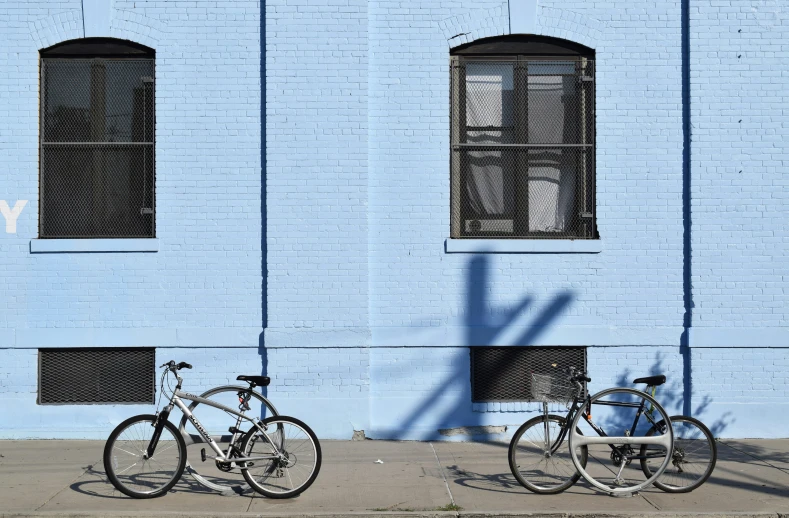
202, 454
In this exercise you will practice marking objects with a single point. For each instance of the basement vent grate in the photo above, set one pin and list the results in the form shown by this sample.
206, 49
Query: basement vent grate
504, 373
96, 376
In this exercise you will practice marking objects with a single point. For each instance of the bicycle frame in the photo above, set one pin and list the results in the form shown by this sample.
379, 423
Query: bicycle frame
576, 407
177, 400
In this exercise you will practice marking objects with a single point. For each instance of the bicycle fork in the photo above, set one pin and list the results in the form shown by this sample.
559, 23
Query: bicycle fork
157, 431
547, 429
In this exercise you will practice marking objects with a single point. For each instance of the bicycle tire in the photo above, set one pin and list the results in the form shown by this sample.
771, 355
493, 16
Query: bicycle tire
560, 469
666, 440
141, 441
671, 479
251, 439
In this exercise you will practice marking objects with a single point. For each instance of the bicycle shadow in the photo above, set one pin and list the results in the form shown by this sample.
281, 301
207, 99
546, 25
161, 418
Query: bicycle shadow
94, 482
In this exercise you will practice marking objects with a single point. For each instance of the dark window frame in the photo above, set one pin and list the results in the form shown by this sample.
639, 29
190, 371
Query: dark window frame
103, 53
520, 50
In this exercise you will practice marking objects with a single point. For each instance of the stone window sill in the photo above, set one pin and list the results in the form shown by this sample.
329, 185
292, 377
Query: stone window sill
524, 246
49, 246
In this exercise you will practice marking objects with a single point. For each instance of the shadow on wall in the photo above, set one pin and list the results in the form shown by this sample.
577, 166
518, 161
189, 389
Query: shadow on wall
446, 412
671, 395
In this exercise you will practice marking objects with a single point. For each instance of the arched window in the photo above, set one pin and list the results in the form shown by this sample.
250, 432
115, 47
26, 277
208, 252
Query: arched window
523, 139
97, 140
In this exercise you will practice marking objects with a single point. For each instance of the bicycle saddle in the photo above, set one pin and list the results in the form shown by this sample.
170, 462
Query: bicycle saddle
652, 381
263, 381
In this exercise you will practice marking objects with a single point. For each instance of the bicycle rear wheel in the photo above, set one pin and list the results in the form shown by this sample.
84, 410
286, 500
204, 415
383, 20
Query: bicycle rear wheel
694, 457
128, 466
619, 434
289, 457
539, 461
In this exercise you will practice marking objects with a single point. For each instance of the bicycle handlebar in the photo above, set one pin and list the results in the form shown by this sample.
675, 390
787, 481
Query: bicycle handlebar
176, 367
578, 375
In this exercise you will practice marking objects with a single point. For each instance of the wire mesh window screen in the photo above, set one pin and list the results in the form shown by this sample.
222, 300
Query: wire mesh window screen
97, 148
94, 376
522, 155
504, 373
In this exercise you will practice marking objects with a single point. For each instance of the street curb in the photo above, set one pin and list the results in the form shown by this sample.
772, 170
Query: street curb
391, 514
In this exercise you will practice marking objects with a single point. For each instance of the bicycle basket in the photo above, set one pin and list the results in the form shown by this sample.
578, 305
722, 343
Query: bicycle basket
552, 389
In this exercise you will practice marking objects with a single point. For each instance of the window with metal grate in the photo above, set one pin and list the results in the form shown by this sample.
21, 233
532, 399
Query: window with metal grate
96, 155
523, 139
96, 376
504, 373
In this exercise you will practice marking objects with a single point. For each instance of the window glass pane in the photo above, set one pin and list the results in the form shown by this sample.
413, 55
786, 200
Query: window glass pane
552, 176
553, 100
67, 94
490, 119
127, 118
554, 118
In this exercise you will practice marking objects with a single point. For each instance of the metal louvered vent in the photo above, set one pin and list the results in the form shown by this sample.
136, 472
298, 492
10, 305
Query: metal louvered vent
96, 376
504, 373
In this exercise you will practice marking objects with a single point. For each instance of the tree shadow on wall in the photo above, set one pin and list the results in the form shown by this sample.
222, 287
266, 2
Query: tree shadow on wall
447, 409
671, 396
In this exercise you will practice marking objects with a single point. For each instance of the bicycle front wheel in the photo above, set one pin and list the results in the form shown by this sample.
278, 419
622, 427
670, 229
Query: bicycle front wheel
694, 457
622, 420
540, 456
128, 465
286, 458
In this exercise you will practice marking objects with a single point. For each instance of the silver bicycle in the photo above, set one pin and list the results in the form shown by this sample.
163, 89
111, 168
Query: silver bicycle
145, 455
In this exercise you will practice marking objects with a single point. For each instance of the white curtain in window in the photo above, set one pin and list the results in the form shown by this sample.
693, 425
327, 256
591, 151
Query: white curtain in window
490, 120
552, 171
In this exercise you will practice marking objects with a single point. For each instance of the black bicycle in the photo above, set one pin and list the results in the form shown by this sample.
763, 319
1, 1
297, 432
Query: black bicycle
542, 462
549, 453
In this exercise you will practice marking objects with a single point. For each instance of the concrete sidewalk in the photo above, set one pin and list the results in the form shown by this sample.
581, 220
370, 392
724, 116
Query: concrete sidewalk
65, 478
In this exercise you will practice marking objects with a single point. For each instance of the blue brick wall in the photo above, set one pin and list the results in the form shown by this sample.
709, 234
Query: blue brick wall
311, 244
740, 209
203, 287
208, 127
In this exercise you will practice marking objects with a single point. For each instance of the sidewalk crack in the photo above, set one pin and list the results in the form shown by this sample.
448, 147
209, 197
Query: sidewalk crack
443, 475
56, 493
783, 470
657, 508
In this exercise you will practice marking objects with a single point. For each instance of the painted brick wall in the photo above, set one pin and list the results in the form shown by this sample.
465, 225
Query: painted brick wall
739, 157
741, 391
329, 388
207, 271
203, 286
19, 383
635, 282
367, 316
316, 163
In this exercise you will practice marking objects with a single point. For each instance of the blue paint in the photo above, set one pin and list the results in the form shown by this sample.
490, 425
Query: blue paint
97, 15
523, 16
302, 209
